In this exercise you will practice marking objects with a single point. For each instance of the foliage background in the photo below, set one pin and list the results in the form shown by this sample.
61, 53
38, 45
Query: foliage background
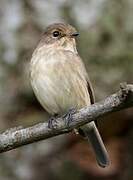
106, 45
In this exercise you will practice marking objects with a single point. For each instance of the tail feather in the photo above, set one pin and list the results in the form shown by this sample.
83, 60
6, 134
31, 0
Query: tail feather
91, 132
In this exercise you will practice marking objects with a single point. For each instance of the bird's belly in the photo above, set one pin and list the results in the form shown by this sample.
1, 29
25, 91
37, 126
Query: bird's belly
59, 89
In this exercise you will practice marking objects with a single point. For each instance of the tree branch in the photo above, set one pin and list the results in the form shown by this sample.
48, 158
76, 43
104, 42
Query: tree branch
19, 136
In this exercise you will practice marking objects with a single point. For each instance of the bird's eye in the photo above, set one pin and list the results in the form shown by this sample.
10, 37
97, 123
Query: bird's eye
56, 33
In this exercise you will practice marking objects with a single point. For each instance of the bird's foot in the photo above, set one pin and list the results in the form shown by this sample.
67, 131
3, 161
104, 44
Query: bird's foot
52, 123
68, 116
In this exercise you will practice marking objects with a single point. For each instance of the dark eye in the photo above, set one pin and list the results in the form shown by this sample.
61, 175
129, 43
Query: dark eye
56, 33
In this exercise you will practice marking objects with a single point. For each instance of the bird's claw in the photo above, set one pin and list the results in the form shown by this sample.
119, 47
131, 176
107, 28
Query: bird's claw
52, 123
68, 116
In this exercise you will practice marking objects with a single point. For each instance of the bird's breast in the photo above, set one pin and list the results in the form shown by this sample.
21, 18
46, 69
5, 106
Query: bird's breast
57, 84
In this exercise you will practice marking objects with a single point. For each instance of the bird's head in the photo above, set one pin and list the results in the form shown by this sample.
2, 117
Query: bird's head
60, 35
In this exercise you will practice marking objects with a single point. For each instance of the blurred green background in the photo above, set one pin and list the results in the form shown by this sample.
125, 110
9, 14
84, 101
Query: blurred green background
106, 46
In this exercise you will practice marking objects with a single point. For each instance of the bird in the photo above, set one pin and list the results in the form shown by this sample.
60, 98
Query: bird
60, 80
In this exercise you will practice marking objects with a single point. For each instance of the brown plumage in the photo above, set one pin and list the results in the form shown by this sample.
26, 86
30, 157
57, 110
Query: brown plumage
60, 81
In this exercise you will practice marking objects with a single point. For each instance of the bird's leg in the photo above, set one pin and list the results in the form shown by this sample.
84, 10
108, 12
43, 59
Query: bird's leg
68, 116
52, 123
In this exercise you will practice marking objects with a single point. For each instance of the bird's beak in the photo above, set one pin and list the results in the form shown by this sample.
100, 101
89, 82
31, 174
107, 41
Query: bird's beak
74, 34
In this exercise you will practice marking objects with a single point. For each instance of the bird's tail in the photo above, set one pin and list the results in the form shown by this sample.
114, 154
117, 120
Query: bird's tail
91, 133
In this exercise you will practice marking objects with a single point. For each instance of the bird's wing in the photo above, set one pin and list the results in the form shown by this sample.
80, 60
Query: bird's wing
91, 132
89, 85
91, 91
